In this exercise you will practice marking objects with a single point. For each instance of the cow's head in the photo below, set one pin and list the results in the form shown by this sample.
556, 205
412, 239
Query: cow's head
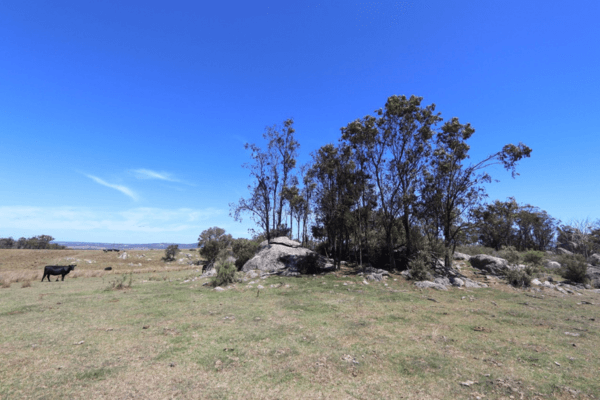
72, 267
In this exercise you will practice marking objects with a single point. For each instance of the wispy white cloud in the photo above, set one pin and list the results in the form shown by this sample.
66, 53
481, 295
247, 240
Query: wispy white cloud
123, 189
149, 174
139, 220
143, 173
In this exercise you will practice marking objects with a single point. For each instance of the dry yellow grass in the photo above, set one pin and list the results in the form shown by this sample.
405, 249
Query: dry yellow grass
28, 265
170, 337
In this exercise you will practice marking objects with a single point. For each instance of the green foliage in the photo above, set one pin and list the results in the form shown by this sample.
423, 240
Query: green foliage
419, 269
309, 264
574, 268
212, 241
510, 224
244, 250
171, 252
533, 257
225, 269
476, 249
510, 254
519, 278
271, 172
34, 242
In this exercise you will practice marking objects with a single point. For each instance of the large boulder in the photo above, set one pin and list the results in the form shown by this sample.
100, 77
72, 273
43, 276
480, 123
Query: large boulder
593, 274
562, 251
278, 254
490, 264
430, 285
461, 256
552, 264
594, 259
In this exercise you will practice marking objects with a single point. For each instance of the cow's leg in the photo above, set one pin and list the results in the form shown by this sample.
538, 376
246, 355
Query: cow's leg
63, 277
57, 279
43, 277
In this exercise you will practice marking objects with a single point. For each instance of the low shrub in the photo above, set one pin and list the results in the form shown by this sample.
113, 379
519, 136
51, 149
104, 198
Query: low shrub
5, 284
26, 284
244, 250
533, 257
419, 269
510, 254
225, 269
309, 264
120, 283
474, 250
574, 268
171, 252
518, 277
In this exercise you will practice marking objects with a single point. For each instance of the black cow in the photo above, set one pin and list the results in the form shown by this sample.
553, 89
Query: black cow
57, 270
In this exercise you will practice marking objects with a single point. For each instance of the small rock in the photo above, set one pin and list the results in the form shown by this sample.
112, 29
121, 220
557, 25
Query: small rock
219, 289
260, 287
428, 284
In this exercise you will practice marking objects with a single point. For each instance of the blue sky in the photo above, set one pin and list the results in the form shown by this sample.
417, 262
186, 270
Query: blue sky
124, 121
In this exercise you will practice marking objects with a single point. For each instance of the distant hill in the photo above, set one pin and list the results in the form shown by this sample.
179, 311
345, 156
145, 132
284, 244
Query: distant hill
122, 246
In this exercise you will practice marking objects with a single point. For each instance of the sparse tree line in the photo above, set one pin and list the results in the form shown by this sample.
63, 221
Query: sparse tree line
397, 186
34, 242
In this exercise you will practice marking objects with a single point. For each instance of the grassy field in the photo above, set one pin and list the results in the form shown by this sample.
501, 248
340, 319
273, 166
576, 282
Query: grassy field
28, 265
314, 337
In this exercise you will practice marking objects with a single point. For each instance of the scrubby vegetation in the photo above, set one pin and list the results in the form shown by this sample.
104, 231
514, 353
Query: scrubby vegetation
34, 242
244, 250
171, 252
225, 268
419, 269
574, 268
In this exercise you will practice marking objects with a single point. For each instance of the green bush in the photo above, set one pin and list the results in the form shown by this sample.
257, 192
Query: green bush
419, 269
574, 268
474, 250
225, 269
309, 264
244, 249
519, 278
171, 252
533, 257
510, 254
211, 242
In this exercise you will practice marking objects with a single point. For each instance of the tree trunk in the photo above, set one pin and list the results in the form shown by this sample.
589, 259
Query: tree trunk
409, 244
391, 248
447, 248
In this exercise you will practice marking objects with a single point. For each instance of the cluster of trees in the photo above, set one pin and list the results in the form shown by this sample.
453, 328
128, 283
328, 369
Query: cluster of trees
580, 237
34, 242
506, 223
397, 186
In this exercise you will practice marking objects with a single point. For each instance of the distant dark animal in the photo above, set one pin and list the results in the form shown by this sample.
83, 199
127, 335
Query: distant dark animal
57, 270
108, 269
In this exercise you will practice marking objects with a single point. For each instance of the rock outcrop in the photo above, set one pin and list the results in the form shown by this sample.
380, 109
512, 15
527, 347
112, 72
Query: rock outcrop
594, 259
461, 256
552, 264
278, 255
490, 264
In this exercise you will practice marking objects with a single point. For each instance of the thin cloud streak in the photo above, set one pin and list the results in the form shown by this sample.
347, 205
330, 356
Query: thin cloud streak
143, 173
141, 219
123, 189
